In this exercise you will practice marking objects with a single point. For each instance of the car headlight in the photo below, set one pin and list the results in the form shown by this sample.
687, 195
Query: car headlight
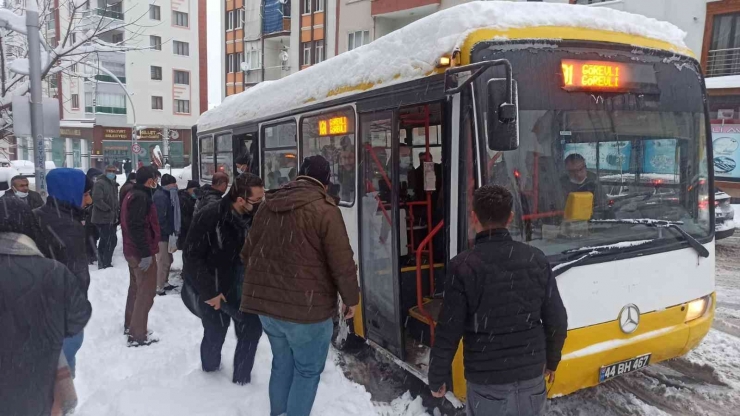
697, 308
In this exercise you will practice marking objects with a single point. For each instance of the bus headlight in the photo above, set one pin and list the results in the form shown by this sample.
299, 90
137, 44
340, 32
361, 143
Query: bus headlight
697, 308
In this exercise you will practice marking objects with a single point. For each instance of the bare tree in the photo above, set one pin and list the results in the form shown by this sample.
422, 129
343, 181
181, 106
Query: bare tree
78, 37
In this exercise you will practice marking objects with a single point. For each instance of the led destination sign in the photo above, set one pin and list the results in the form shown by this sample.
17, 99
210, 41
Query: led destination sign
607, 76
334, 125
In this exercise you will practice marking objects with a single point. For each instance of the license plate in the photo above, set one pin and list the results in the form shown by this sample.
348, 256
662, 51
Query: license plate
623, 367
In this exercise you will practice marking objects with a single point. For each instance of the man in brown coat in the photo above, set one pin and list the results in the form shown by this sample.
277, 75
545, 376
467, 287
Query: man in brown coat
297, 256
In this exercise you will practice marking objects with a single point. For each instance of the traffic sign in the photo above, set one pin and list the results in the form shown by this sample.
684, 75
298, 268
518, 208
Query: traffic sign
136, 148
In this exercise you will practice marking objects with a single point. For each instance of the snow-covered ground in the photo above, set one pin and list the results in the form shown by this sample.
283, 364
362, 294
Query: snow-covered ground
165, 379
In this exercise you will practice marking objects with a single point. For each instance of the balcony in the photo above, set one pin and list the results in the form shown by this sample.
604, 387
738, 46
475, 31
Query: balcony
723, 62
276, 20
404, 8
113, 14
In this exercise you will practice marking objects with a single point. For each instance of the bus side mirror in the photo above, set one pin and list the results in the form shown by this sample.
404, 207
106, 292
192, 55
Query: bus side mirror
502, 117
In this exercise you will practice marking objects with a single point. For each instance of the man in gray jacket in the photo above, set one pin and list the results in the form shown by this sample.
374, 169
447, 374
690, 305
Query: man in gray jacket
105, 215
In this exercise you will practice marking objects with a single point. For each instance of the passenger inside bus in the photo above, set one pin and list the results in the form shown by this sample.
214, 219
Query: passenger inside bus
579, 178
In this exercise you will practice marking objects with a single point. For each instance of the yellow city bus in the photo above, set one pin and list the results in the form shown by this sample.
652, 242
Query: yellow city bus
503, 93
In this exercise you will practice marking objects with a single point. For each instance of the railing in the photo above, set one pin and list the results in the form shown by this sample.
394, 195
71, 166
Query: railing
106, 110
419, 292
104, 13
722, 62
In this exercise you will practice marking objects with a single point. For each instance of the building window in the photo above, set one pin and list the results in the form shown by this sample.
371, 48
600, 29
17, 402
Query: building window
306, 57
156, 72
230, 20
155, 12
239, 61
182, 106
75, 101
73, 68
239, 16
357, 39
253, 59
155, 42
319, 56
157, 103
724, 50
180, 48
180, 19
73, 38
117, 38
182, 77
105, 103
318, 6
306, 6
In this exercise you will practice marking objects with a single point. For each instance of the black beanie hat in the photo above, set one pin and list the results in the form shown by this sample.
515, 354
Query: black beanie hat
316, 167
168, 179
144, 174
192, 184
88, 184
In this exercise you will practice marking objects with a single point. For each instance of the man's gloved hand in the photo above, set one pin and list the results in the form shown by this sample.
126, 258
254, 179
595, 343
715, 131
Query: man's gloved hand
145, 263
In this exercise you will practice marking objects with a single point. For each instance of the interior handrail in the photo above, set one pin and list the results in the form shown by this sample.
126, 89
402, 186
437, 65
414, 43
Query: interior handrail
419, 294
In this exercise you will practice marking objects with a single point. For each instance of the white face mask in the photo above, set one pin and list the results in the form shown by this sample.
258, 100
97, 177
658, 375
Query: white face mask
576, 182
20, 194
240, 171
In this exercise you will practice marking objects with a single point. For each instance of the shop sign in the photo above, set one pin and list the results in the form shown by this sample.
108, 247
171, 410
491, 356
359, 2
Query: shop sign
116, 134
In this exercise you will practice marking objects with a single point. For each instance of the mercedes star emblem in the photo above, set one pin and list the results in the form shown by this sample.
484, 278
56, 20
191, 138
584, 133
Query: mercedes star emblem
629, 318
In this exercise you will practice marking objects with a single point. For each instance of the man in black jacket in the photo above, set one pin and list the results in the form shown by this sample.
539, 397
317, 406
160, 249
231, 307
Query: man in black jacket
213, 267
42, 303
19, 189
61, 222
213, 192
187, 199
503, 301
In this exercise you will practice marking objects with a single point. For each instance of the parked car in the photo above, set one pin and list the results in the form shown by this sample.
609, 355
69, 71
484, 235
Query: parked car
724, 213
25, 167
6, 174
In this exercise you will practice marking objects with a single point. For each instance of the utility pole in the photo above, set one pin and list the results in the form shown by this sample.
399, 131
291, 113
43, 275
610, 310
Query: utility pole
166, 147
37, 124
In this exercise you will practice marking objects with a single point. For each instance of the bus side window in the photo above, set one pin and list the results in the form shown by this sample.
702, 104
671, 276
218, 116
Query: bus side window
332, 135
280, 154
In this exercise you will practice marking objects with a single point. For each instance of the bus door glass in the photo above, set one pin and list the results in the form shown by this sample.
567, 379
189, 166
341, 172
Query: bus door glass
225, 155
379, 243
246, 150
207, 163
280, 154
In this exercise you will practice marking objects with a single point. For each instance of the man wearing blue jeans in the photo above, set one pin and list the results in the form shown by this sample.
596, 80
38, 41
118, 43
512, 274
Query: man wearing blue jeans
297, 257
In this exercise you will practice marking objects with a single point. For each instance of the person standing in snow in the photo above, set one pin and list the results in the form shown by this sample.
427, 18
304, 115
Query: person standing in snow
105, 215
187, 198
20, 189
140, 229
127, 167
91, 231
502, 299
212, 193
168, 213
297, 256
61, 222
213, 268
42, 303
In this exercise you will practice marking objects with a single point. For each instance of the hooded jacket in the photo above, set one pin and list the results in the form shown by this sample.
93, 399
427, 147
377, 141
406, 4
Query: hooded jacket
40, 304
297, 256
187, 211
61, 221
105, 201
206, 196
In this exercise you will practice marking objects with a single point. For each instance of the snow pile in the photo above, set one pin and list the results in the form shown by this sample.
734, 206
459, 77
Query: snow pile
730, 81
13, 21
165, 379
737, 214
411, 52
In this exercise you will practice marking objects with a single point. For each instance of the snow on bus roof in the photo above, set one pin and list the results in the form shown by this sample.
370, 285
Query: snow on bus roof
412, 51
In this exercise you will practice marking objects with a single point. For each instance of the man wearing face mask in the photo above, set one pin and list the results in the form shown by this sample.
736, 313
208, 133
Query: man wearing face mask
243, 163
579, 178
140, 229
168, 213
19, 189
213, 268
105, 215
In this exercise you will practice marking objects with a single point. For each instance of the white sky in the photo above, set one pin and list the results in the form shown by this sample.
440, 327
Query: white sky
214, 52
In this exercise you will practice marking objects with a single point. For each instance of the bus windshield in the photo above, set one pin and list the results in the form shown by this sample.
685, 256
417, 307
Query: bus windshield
590, 162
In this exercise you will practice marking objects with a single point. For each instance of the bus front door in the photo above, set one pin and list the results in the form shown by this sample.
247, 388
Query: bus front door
378, 228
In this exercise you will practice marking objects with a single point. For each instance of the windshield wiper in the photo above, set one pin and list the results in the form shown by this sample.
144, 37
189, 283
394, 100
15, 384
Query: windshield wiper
672, 225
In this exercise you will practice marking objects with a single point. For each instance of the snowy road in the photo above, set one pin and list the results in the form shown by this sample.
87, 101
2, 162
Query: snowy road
165, 379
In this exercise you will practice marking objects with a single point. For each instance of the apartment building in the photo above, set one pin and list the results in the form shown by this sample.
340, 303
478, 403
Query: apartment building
161, 84
265, 40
